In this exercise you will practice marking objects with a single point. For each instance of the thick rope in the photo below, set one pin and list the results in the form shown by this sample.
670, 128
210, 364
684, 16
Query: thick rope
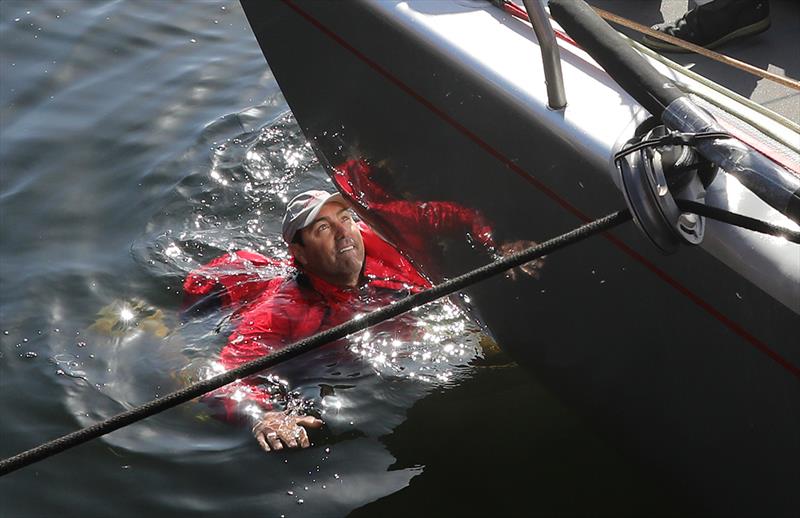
335, 333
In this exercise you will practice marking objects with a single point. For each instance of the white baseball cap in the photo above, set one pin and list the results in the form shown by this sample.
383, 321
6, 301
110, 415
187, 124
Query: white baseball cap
302, 210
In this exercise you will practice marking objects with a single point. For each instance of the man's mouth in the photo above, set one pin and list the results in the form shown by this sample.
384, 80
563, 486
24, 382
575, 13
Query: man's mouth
346, 249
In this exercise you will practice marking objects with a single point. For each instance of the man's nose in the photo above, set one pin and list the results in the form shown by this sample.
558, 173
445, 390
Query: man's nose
339, 229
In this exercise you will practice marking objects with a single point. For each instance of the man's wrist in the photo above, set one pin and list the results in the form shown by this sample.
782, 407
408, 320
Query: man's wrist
254, 415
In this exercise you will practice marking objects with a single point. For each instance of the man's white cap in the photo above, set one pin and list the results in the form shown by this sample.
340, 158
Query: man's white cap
303, 209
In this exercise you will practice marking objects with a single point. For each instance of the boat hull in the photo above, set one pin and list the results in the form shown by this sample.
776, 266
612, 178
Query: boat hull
685, 362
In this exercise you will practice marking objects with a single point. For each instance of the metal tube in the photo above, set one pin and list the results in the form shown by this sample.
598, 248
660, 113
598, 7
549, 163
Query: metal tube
551, 58
768, 180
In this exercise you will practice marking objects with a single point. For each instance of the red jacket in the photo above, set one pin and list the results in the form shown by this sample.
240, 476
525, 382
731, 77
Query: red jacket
278, 305
408, 223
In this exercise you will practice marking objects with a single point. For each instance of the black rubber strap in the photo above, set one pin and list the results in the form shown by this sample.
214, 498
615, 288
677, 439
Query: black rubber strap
793, 207
628, 68
673, 138
756, 225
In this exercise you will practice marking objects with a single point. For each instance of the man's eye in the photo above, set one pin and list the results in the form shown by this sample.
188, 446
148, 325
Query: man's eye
322, 227
346, 218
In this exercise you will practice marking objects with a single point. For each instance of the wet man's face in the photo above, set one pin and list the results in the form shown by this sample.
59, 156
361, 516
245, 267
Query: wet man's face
332, 247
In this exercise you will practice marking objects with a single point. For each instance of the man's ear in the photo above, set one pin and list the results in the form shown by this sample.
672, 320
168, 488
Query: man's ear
297, 251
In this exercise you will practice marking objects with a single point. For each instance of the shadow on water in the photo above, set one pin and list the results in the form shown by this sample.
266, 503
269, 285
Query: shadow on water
500, 444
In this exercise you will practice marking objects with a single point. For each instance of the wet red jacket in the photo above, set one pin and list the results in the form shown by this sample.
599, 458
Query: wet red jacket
408, 223
278, 305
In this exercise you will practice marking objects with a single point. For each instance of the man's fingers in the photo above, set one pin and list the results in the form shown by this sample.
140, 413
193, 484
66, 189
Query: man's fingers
310, 422
302, 435
289, 434
532, 269
274, 441
288, 437
263, 442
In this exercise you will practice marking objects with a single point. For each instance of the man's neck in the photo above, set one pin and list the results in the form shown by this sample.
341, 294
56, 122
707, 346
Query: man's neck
341, 283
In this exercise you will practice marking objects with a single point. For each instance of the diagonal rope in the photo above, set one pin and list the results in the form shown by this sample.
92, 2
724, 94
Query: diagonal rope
449, 287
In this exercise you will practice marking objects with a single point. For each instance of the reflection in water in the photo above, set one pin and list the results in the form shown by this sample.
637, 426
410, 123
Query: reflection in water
434, 340
120, 317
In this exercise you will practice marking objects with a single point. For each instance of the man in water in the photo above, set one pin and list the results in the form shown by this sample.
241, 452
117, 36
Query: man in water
342, 268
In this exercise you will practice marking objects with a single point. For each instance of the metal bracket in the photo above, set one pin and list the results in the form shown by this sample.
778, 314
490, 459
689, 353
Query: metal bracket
650, 200
551, 58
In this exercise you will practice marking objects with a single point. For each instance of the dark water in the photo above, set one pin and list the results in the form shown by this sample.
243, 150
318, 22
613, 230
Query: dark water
141, 139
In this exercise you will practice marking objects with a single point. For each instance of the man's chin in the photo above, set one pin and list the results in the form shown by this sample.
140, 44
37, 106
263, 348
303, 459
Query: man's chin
351, 263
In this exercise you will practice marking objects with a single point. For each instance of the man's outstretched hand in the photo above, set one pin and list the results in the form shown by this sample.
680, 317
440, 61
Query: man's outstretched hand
531, 269
276, 431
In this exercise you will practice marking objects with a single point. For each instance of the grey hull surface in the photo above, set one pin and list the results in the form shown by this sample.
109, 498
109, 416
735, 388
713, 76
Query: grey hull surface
686, 362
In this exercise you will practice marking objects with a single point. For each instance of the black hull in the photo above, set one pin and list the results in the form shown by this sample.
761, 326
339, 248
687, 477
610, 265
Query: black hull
685, 364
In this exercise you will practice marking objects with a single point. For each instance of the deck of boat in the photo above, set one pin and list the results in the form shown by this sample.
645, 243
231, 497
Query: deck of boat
775, 50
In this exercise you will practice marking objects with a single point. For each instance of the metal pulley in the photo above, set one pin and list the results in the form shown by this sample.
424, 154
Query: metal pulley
655, 169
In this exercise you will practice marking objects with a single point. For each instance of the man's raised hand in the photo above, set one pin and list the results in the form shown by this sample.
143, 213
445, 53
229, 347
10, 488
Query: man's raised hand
531, 269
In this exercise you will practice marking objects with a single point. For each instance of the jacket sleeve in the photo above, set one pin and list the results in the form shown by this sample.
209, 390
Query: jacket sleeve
441, 217
354, 179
